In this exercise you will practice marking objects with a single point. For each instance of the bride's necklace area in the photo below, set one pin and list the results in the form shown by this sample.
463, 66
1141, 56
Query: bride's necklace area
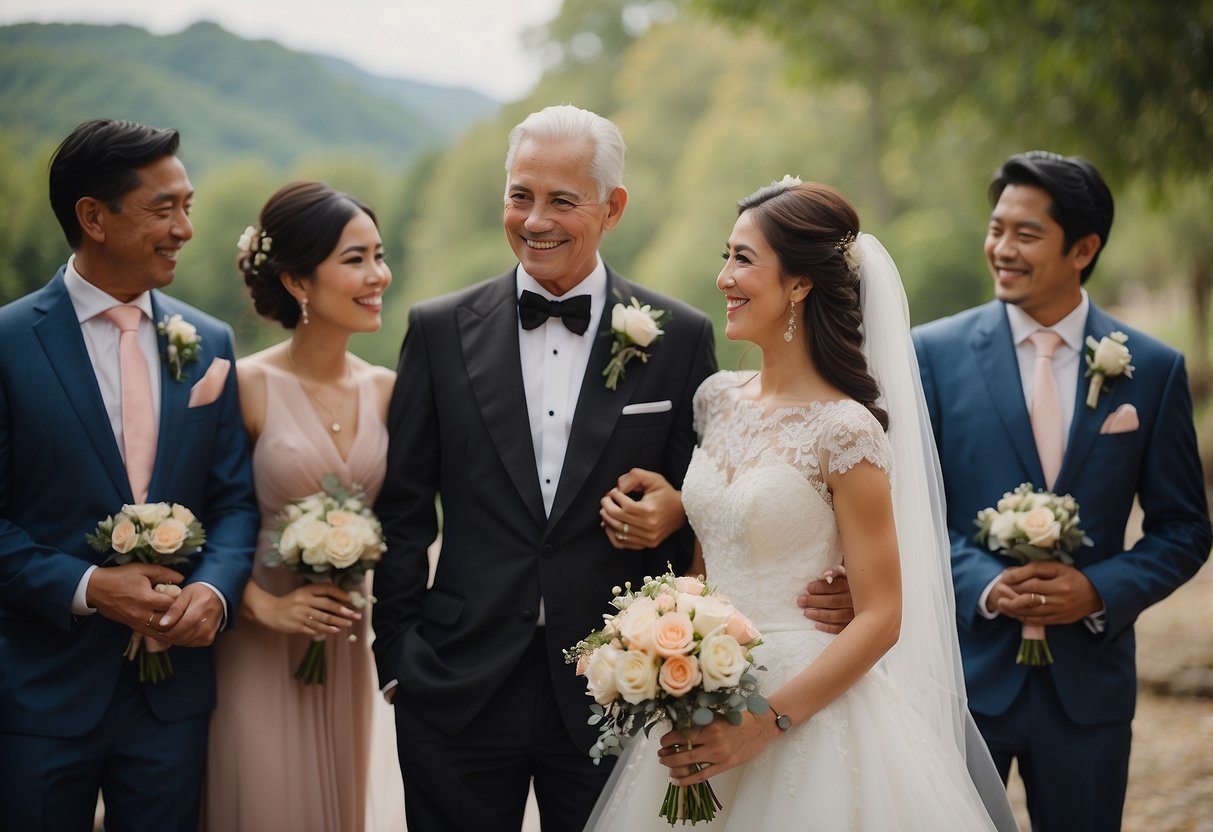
334, 423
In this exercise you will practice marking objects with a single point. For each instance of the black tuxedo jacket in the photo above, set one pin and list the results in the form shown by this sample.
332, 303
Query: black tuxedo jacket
460, 436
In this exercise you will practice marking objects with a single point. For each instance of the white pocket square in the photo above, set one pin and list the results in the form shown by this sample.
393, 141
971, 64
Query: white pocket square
647, 407
210, 385
1121, 420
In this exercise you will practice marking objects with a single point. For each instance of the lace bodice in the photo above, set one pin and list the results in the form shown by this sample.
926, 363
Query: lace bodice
756, 493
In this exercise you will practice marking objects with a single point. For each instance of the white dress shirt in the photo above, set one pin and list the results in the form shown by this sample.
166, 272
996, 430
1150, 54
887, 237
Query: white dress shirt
101, 342
1067, 361
554, 362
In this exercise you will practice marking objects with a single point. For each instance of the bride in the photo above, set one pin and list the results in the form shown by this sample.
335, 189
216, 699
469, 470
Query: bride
795, 474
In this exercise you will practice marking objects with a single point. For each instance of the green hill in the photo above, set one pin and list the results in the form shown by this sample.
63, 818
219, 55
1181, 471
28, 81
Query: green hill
229, 96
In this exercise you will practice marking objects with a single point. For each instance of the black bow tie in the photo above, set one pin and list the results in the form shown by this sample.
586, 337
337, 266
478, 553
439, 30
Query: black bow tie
574, 313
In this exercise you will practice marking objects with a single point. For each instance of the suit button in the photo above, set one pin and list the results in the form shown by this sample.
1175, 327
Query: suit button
548, 550
528, 615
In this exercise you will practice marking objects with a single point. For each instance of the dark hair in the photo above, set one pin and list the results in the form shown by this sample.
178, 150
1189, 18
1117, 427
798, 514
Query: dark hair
299, 227
1082, 203
100, 159
810, 226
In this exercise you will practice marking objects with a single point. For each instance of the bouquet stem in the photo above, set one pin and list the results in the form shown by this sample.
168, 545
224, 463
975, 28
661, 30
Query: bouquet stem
690, 803
1033, 648
154, 666
311, 670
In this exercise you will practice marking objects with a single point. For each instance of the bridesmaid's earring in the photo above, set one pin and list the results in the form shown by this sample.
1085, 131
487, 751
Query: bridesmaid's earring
303, 312
790, 332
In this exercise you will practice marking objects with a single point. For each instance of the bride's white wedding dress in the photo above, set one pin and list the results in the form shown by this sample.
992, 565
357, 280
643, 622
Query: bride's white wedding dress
756, 496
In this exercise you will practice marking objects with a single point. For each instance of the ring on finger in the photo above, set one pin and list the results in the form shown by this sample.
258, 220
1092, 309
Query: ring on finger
621, 536
1043, 599
150, 616
627, 529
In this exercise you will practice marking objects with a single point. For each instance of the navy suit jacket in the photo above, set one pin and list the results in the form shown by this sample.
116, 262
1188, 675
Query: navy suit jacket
459, 430
61, 472
975, 396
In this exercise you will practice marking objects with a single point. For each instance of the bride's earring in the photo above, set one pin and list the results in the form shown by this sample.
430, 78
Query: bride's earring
790, 332
303, 311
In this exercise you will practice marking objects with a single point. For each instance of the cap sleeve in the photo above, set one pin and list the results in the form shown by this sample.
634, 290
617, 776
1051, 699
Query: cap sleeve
851, 436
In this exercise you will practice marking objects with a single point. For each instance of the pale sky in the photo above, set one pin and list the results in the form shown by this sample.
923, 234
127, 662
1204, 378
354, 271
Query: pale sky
462, 43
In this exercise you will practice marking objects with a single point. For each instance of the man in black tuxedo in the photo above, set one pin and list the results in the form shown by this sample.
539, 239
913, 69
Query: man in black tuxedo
502, 412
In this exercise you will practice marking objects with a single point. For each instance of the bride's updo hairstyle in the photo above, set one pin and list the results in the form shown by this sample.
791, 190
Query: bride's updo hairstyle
299, 227
811, 227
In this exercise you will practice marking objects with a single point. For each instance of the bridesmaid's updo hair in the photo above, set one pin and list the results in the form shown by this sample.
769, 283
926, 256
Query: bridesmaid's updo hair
811, 227
299, 227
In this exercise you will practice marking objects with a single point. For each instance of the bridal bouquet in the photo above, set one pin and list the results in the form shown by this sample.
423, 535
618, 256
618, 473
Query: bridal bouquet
327, 536
674, 652
1032, 526
149, 533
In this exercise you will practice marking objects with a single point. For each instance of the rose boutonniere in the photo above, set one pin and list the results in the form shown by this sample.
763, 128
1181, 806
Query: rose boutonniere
1106, 358
633, 329
183, 343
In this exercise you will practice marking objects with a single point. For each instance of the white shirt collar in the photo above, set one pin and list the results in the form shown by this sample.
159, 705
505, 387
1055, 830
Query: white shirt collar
1070, 328
594, 284
89, 301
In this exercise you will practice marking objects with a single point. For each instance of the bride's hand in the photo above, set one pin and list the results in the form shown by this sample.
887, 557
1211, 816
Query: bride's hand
695, 755
313, 609
646, 522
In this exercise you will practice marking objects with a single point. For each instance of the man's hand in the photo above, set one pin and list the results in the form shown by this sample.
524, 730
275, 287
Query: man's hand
828, 601
1045, 592
193, 619
644, 523
127, 594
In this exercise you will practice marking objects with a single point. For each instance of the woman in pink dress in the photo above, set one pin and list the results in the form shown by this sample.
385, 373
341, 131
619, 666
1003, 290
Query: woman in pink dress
284, 755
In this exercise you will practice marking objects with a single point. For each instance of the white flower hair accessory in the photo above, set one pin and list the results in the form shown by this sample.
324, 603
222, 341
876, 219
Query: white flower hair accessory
255, 245
851, 252
788, 181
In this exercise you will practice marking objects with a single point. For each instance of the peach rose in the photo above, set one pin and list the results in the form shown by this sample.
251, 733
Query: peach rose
688, 584
124, 537
1041, 527
168, 536
742, 629
673, 634
341, 518
679, 675
180, 512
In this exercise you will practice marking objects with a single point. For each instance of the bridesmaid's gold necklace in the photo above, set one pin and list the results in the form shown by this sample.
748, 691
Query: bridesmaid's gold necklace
334, 424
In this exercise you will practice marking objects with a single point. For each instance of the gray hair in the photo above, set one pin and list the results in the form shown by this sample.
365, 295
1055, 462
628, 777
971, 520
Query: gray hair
564, 122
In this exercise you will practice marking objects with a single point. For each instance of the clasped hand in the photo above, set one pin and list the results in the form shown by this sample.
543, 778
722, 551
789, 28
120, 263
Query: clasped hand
699, 753
646, 522
127, 594
1044, 592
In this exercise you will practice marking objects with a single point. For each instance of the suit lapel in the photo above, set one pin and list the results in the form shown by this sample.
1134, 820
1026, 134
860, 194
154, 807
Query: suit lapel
1087, 421
61, 339
598, 409
174, 401
994, 351
488, 335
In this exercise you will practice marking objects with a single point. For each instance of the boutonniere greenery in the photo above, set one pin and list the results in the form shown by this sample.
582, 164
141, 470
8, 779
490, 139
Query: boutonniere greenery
184, 342
633, 329
1106, 358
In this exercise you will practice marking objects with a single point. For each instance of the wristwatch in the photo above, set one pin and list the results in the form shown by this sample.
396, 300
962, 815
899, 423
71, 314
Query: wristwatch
782, 721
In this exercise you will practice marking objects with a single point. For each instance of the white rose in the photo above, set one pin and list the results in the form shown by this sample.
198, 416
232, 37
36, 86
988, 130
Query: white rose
636, 625
721, 661
179, 329
1003, 529
315, 556
637, 324
600, 674
1111, 356
342, 547
149, 514
312, 504
292, 512
183, 514
310, 532
288, 545
1041, 527
709, 612
636, 676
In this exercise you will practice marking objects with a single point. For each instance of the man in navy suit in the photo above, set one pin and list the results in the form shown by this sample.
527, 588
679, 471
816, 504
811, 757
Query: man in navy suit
1067, 723
501, 410
74, 717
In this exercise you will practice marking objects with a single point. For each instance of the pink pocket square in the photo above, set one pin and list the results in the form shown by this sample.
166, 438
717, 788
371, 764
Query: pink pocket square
210, 385
1122, 420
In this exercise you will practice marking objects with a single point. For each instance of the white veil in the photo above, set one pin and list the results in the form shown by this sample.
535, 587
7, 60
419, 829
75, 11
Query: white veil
925, 662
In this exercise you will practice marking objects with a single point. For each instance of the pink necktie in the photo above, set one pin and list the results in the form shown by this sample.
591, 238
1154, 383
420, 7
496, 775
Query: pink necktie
1046, 406
138, 426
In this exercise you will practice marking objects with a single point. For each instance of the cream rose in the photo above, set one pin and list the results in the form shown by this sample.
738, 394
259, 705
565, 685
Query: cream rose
168, 536
338, 517
600, 674
689, 585
342, 547
1003, 530
1111, 356
309, 532
124, 537
292, 512
149, 514
722, 661
741, 628
636, 676
180, 512
673, 634
179, 329
679, 675
709, 612
288, 545
637, 623
636, 323
1041, 527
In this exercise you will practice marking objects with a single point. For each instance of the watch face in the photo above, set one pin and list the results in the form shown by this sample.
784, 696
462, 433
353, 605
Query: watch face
783, 722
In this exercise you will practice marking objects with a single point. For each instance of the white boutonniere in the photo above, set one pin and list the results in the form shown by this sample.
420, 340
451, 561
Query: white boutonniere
1106, 359
184, 342
633, 329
